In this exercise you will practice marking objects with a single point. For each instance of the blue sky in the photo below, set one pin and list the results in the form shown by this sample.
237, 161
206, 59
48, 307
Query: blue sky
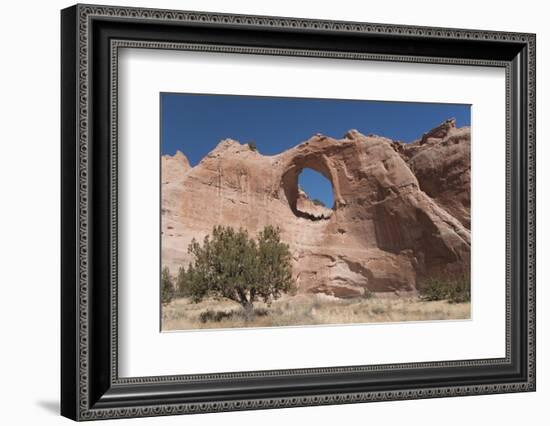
195, 124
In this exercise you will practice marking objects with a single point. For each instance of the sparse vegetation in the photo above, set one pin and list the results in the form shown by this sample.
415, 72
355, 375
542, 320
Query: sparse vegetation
211, 315
368, 294
167, 286
453, 289
308, 310
231, 265
318, 202
183, 284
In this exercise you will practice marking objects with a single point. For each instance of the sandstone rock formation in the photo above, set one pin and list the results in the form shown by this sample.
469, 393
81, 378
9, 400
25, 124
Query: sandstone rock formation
440, 160
309, 208
401, 211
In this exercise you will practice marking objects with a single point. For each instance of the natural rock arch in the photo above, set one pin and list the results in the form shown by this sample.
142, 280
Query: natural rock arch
289, 182
385, 232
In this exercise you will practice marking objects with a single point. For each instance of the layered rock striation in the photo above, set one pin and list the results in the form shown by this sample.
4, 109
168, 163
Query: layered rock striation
401, 211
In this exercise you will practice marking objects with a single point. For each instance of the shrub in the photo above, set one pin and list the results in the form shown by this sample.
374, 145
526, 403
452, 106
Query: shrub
367, 294
231, 265
459, 291
211, 315
167, 286
454, 289
378, 310
182, 282
216, 316
261, 312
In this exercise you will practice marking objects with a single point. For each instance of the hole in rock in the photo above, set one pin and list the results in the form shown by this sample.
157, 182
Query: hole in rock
315, 198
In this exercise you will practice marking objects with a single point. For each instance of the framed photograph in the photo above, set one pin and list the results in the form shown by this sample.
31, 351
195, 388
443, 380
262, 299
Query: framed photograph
263, 212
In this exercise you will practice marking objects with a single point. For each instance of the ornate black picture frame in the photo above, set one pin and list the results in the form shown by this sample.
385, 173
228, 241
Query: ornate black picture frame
91, 387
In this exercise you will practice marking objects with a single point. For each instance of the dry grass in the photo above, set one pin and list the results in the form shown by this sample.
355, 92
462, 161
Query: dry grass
182, 314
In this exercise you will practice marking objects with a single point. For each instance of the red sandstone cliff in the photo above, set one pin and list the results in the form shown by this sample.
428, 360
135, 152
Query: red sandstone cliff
401, 211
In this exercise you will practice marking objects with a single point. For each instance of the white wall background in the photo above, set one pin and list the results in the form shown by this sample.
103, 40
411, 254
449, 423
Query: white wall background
29, 213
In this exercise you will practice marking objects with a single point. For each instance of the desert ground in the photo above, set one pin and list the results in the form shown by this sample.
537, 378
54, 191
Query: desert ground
182, 314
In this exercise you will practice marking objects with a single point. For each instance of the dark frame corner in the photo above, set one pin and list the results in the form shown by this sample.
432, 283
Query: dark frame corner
90, 37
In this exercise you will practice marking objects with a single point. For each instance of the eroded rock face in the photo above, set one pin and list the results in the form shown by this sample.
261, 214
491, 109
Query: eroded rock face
440, 161
310, 208
400, 212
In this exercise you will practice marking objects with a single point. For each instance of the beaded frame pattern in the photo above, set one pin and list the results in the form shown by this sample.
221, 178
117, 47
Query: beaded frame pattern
87, 12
